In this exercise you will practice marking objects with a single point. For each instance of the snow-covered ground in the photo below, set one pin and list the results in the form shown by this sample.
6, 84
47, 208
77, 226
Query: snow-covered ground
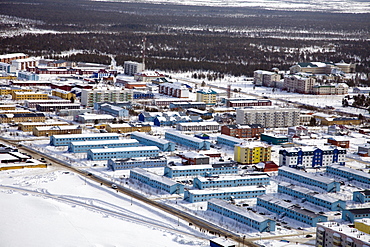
346, 6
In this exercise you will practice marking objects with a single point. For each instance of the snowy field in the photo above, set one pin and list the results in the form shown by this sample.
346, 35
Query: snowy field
344, 6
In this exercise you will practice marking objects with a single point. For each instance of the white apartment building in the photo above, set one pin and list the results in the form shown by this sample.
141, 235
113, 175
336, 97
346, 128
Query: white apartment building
106, 94
266, 78
299, 83
331, 89
269, 117
131, 68
174, 89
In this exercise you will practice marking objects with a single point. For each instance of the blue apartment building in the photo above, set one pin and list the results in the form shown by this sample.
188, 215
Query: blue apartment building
131, 163
84, 146
290, 210
142, 95
114, 110
307, 195
228, 140
355, 213
361, 196
349, 173
156, 181
325, 183
64, 140
149, 140
231, 193
249, 218
231, 181
126, 152
199, 170
189, 141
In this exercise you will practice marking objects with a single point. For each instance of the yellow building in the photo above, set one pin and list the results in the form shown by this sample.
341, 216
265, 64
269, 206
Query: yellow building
126, 128
29, 164
207, 96
29, 96
27, 126
325, 119
252, 153
56, 130
10, 90
63, 94
22, 117
363, 225
7, 107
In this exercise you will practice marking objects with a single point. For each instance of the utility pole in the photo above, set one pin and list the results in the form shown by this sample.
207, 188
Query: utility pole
143, 53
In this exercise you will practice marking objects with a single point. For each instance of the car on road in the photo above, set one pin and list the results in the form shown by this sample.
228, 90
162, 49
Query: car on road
114, 186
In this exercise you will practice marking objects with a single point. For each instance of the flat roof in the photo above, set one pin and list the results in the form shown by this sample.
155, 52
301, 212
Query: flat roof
149, 137
103, 142
348, 232
124, 149
191, 138
199, 124
86, 135
226, 190
231, 178
313, 176
155, 177
238, 210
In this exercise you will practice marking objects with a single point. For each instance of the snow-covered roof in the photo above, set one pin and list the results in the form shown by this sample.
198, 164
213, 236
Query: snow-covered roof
86, 135
124, 149
149, 137
350, 170
103, 142
313, 176
230, 178
226, 190
155, 177
350, 232
213, 123
238, 210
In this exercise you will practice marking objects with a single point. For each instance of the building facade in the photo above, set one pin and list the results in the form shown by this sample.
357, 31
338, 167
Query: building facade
186, 140
242, 130
199, 126
57, 130
146, 162
349, 173
91, 96
121, 153
126, 128
268, 117
149, 140
231, 181
64, 140
252, 153
207, 96
199, 170
84, 146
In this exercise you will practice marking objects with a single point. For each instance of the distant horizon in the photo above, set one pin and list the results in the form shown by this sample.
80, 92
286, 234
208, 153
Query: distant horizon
331, 6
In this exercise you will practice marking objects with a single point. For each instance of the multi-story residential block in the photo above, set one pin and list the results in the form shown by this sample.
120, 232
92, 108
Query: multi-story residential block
364, 149
63, 94
121, 153
207, 96
257, 179
243, 192
194, 158
325, 183
174, 89
22, 117
242, 130
166, 102
84, 146
149, 140
249, 218
228, 140
349, 173
199, 126
8, 58
252, 152
297, 131
336, 235
323, 68
56, 107
355, 213
27, 126
290, 210
7, 107
56, 130
275, 139
311, 157
131, 68
148, 76
156, 181
64, 140
299, 83
189, 141
29, 96
145, 162
91, 96
187, 105
126, 128
332, 89
266, 78
199, 170
34, 103
25, 63
9, 90
268, 117
305, 194
361, 196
